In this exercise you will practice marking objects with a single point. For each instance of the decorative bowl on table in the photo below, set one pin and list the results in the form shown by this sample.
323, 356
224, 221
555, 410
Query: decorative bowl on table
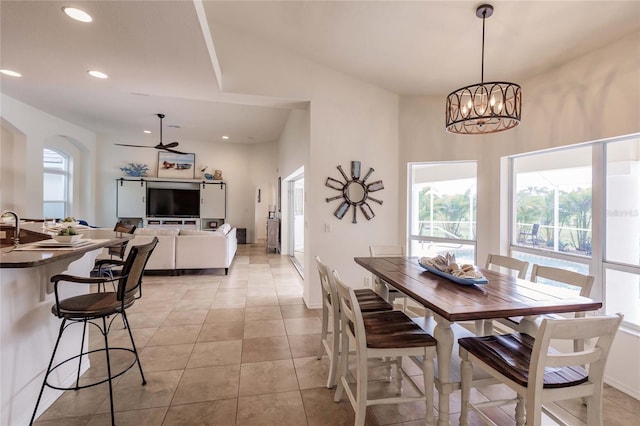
446, 267
67, 238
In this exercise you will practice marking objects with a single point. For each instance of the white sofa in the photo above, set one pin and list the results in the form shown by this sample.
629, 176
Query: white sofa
187, 249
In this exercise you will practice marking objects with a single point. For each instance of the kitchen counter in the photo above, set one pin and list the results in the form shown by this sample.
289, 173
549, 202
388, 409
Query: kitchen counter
32, 232
28, 329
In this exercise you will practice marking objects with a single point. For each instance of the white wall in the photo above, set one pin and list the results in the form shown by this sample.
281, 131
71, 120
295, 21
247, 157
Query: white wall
33, 130
241, 169
264, 176
349, 120
293, 154
594, 97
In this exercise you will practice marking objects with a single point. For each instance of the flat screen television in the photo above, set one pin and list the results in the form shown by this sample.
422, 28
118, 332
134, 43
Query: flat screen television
164, 202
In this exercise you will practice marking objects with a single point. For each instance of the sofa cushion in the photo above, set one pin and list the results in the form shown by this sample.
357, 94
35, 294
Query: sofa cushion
225, 228
156, 232
194, 232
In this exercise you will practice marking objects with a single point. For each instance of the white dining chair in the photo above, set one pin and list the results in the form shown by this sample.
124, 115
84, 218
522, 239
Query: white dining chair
503, 264
538, 373
582, 282
330, 334
381, 287
507, 264
389, 335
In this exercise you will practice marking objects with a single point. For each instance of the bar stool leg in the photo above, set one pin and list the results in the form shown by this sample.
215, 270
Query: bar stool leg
133, 344
84, 333
105, 333
46, 374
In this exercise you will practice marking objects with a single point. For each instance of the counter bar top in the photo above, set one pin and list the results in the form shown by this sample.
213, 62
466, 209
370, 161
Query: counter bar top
33, 232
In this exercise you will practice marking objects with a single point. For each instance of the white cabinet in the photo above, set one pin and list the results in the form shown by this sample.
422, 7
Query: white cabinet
213, 200
131, 198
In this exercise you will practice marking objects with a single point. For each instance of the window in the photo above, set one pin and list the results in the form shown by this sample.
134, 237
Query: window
622, 229
442, 209
553, 201
553, 192
55, 185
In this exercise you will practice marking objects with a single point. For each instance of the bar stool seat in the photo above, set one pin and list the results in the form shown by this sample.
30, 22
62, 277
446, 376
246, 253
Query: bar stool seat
92, 305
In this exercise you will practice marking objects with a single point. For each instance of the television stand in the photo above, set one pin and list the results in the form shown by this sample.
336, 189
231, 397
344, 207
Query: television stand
172, 222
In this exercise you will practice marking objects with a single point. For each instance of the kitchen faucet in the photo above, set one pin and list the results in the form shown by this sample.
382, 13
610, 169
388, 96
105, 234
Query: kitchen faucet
16, 237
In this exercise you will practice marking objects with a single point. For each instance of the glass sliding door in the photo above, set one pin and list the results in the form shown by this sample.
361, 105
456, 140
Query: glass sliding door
296, 222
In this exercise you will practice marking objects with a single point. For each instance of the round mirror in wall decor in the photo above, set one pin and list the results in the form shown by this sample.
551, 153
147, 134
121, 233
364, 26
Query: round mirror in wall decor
355, 192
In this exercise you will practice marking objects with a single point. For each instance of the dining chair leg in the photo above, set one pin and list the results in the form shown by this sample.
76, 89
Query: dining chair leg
520, 417
335, 355
398, 365
46, 374
342, 367
466, 373
428, 372
361, 389
325, 328
594, 408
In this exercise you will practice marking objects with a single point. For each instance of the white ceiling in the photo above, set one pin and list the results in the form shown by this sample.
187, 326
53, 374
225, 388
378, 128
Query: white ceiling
157, 48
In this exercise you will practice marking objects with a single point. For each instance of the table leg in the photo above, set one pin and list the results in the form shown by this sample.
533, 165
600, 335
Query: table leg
444, 335
529, 326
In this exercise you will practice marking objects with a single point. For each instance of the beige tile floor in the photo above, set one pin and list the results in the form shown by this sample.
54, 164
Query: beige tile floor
241, 350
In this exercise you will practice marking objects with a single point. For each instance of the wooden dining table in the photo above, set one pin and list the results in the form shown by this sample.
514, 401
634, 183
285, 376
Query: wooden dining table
501, 297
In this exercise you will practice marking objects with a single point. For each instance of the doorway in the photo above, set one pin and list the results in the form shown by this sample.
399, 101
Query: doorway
296, 221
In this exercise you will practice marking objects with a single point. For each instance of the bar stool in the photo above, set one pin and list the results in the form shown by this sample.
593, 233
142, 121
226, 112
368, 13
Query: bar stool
104, 267
86, 308
370, 302
387, 335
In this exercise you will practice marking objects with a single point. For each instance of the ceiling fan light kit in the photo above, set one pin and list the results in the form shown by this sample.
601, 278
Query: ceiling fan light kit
161, 146
485, 107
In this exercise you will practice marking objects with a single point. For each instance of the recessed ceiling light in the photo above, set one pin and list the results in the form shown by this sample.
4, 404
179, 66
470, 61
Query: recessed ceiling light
97, 74
77, 14
225, 137
147, 131
11, 73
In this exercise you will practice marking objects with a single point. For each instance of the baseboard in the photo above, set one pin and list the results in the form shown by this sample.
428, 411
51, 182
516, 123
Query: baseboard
634, 393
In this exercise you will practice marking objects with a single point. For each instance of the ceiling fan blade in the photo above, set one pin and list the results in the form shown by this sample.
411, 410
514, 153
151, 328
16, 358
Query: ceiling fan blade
137, 146
168, 145
171, 150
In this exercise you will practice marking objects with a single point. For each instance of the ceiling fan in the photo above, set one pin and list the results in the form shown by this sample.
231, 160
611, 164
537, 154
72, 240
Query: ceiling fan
166, 147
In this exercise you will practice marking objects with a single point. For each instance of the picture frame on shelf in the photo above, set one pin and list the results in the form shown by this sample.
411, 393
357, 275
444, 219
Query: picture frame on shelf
172, 165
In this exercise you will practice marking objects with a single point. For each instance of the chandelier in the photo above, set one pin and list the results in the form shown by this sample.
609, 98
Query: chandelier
486, 107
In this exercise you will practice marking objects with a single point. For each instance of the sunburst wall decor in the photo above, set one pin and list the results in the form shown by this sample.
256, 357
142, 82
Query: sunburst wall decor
355, 192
